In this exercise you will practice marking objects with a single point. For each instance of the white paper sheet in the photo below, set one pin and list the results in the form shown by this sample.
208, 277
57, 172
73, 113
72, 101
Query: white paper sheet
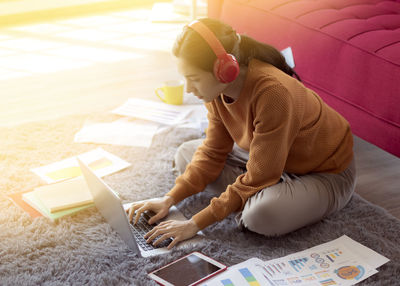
125, 132
100, 161
197, 119
367, 254
154, 111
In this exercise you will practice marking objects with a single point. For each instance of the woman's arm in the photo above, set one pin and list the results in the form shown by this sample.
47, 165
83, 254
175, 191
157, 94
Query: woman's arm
207, 162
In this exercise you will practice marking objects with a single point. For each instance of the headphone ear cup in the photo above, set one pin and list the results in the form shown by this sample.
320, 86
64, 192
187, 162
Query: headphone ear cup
226, 68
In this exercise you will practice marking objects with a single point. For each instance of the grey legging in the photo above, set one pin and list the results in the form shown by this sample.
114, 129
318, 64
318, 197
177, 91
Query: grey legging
295, 201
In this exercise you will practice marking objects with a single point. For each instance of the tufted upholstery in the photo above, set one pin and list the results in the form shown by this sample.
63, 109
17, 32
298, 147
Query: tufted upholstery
346, 50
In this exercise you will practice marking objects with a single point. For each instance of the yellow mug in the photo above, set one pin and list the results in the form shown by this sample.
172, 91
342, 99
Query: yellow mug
172, 92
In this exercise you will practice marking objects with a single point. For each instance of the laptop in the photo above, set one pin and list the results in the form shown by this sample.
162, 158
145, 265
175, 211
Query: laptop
109, 205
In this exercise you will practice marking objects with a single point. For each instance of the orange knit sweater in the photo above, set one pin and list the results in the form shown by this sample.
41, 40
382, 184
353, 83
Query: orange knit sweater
285, 126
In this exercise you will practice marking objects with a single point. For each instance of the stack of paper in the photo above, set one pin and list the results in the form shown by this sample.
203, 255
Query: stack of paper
342, 261
143, 119
57, 200
64, 195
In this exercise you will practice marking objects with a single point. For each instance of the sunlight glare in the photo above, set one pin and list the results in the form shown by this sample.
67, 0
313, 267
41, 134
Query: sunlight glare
30, 44
93, 54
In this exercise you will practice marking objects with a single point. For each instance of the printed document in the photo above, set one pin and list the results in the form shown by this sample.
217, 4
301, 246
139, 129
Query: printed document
125, 132
342, 261
159, 112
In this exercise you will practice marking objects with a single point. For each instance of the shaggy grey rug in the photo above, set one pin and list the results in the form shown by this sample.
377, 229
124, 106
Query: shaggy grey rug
83, 249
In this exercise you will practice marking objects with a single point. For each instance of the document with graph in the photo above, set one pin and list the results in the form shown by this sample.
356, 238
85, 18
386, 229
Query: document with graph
342, 261
244, 273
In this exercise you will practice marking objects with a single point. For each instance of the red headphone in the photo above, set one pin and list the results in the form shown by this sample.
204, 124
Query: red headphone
226, 67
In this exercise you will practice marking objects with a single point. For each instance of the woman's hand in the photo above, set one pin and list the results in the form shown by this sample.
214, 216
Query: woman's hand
160, 207
177, 230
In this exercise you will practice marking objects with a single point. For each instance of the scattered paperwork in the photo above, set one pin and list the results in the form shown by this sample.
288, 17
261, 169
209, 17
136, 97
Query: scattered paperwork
142, 120
197, 119
125, 132
154, 111
342, 261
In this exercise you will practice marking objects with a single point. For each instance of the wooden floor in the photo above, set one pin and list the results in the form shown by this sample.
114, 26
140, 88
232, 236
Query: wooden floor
101, 86
378, 176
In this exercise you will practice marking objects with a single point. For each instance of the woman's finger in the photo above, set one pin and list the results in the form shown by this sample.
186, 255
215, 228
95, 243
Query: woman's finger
156, 218
131, 212
161, 239
164, 223
134, 206
139, 212
174, 242
152, 236
132, 209
149, 233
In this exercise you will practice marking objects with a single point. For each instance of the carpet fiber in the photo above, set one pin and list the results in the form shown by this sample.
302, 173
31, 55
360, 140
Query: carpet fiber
83, 249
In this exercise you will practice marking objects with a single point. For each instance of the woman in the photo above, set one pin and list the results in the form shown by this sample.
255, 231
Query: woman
276, 153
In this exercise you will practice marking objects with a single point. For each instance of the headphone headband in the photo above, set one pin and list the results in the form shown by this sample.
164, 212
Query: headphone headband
209, 37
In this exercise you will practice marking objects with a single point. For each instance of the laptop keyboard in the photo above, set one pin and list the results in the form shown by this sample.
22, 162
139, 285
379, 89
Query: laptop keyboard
142, 227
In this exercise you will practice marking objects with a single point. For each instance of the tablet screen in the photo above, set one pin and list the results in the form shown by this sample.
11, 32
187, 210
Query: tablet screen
186, 271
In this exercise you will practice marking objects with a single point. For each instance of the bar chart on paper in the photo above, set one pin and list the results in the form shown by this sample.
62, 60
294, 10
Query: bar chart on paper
298, 264
249, 277
272, 268
227, 282
333, 255
236, 277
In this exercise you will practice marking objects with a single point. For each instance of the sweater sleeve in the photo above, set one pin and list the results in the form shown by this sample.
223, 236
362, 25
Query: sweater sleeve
207, 162
274, 129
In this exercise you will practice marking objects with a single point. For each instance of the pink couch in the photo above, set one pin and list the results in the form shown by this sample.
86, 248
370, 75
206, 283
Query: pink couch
346, 50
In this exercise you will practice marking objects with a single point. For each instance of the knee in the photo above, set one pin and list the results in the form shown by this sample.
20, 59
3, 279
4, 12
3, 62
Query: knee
266, 218
184, 155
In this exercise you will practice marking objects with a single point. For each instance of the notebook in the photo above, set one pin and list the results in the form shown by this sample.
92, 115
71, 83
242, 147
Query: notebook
64, 195
31, 199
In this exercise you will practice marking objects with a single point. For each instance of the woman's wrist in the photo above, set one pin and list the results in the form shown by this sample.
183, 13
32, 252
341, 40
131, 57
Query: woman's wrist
169, 200
193, 225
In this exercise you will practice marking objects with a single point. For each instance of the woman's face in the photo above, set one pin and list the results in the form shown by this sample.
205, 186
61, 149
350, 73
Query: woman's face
201, 83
